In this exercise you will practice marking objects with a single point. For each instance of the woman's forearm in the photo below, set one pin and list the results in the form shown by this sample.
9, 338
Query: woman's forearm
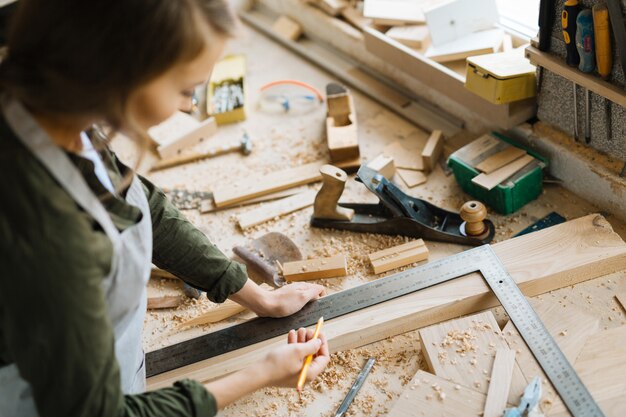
236, 385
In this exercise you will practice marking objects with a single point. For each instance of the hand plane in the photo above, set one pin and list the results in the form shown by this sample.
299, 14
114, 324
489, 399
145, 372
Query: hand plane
396, 213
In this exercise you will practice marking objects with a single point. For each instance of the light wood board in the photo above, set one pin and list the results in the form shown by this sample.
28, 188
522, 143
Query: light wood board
276, 209
463, 351
490, 181
500, 159
257, 186
542, 261
500, 383
401, 255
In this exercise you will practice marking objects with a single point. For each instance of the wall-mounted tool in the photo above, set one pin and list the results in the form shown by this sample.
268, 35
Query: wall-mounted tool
395, 214
546, 19
604, 55
585, 45
244, 146
568, 23
619, 33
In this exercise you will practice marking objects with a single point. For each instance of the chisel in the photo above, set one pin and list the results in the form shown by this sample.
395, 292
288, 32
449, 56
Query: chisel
604, 55
568, 23
587, 58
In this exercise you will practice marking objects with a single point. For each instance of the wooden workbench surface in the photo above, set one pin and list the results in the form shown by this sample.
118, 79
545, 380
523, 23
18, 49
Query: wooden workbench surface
281, 141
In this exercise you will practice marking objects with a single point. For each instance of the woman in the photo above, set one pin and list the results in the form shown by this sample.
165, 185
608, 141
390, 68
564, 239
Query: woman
79, 230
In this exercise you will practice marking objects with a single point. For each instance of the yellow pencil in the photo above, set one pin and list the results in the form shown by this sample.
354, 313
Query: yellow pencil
307, 361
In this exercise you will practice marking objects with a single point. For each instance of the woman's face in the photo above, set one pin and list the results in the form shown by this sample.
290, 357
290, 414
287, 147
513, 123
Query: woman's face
157, 100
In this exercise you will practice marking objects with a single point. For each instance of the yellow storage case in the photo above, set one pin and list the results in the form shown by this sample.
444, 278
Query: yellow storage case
226, 94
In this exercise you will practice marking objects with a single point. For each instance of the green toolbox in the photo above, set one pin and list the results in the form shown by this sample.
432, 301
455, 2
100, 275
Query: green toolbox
515, 189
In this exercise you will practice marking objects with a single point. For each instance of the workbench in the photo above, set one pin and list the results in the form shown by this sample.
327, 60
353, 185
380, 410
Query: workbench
282, 141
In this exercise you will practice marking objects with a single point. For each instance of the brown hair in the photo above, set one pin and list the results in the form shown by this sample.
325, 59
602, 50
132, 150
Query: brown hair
85, 57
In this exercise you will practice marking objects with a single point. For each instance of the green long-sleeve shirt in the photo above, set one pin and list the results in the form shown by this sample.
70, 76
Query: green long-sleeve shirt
53, 313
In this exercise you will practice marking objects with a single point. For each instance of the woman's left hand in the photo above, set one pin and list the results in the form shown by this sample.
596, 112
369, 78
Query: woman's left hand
290, 298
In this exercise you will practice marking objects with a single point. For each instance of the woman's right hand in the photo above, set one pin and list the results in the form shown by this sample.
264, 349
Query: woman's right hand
283, 365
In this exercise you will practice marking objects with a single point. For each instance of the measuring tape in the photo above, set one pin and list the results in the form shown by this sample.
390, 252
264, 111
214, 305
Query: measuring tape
481, 259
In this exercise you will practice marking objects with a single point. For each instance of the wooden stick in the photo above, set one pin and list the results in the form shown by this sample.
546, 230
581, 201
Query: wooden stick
223, 311
401, 255
276, 209
543, 261
335, 266
258, 185
500, 383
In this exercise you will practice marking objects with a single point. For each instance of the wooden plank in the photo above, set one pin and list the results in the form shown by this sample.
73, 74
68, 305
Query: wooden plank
430, 395
221, 312
405, 155
179, 132
500, 159
622, 299
335, 266
287, 28
463, 351
384, 165
500, 383
259, 185
412, 178
208, 206
570, 328
397, 256
276, 209
602, 367
432, 151
490, 181
540, 262
166, 301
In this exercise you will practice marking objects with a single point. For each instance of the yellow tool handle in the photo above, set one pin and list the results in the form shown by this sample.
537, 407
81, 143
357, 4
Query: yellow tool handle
602, 33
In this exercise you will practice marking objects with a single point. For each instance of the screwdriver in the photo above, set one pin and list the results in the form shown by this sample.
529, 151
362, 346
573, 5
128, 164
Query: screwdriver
604, 54
587, 58
568, 23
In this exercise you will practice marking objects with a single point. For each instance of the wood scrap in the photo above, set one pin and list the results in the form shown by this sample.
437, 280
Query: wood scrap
463, 351
570, 328
492, 180
384, 165
479, 43
276, 209
355, 17
412, 178
332, 7
432, 150
500, 383
221, 312
165, 301
179, 132
622, 299
542, 261
500, 159
399, 12
335, 266
208, 206
405, 155
287, 28
401, 255
341, 124
413, 36
435, 396
260, 185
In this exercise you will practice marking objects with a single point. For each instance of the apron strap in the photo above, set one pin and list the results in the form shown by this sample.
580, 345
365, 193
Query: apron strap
57, 163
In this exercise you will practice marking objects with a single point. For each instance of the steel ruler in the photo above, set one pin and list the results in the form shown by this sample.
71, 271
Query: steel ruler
481, 259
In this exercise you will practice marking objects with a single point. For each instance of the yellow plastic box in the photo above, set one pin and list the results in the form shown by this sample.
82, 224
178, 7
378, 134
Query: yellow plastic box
226, 93
501, 77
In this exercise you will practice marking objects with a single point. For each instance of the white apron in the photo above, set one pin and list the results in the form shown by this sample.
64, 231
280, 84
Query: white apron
124, 287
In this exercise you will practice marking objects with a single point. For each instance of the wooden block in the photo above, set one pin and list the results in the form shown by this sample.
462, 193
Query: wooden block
166, 301
179, 132
401, 255
341, 124
500, 159
332, 7
432, 151
221, 312
463, 351
543, 261
601, 367
259, 185
500, 382
335, 266
570, 328
383, 165
405, 155
413, 36
276, 209
491, 181
480, 43
287, 28
622, 299
429, 395
412, 178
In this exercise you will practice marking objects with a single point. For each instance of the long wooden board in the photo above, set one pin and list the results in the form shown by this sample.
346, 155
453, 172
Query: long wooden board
500, 383
276, 209
543, 261
257, 186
